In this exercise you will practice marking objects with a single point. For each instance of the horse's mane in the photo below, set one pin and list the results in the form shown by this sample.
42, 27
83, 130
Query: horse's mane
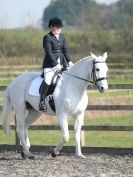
100, 58
82, 59
78, 62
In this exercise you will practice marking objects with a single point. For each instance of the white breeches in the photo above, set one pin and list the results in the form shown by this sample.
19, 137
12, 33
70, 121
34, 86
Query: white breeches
48, 74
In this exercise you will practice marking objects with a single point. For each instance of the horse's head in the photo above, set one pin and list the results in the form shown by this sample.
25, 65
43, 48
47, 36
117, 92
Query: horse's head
99, 71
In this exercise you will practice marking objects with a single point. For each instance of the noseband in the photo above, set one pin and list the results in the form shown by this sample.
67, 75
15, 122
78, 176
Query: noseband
93, 75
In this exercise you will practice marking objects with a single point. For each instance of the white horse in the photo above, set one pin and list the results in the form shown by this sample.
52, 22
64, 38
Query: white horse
70, 97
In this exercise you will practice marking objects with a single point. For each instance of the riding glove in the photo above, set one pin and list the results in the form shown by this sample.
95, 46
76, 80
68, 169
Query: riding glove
58, 67
70, 64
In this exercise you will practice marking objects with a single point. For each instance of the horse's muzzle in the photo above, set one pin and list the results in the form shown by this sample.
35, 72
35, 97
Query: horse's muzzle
103, 89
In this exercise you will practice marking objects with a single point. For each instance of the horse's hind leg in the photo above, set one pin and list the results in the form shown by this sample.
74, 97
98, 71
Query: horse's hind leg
20, 124
31, 117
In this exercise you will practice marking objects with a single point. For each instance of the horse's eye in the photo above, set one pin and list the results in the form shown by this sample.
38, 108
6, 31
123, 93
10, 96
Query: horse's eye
97, 69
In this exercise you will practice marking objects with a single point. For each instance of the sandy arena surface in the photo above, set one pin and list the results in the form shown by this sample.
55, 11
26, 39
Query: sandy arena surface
66, 165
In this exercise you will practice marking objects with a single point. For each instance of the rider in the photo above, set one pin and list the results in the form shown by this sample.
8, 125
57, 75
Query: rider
57, 56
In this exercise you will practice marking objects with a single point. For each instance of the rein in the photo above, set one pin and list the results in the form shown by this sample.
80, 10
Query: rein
95, 80
80, 78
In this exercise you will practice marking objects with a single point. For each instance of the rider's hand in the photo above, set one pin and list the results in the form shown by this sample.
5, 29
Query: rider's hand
58, 67
70, 64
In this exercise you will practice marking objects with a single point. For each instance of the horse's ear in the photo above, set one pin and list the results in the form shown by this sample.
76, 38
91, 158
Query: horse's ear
105, 56
93, 56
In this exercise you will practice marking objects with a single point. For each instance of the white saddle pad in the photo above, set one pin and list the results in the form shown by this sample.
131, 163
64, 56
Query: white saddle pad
35, 85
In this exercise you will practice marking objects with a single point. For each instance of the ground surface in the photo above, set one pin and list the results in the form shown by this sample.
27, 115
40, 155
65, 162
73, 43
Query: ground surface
66, 165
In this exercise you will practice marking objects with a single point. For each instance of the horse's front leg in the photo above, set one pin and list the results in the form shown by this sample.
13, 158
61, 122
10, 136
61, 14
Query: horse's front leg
78, 124
64, 129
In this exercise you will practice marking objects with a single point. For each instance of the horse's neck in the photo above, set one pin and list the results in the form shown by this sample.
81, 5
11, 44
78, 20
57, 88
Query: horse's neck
82, 70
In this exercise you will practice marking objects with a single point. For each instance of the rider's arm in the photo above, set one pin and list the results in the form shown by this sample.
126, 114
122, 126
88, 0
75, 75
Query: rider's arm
65, 50
48, 49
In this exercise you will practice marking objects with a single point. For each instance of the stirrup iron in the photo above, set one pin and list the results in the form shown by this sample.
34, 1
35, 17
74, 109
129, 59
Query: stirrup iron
43, 106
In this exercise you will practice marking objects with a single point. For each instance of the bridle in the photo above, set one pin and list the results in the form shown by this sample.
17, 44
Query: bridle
93, 75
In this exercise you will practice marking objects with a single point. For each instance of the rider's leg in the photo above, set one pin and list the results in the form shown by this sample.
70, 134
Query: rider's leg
42, 105
48, 75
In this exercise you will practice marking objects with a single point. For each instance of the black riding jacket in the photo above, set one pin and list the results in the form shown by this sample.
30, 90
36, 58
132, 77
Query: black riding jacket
55, 49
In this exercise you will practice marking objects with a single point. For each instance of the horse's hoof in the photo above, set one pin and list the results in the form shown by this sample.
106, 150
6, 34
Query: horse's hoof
53, 153
82, 156
23, 155
31, 156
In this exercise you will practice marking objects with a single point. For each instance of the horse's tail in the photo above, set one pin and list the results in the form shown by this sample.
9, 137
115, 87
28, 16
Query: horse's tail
7, 109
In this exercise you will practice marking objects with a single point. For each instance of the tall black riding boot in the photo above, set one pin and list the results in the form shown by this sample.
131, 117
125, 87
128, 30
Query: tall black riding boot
42, 105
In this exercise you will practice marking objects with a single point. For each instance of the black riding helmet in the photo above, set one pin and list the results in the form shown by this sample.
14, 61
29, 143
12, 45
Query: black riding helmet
55, 22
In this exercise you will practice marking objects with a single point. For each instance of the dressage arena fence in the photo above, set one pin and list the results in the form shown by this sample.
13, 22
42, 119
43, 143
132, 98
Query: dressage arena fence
71, 149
